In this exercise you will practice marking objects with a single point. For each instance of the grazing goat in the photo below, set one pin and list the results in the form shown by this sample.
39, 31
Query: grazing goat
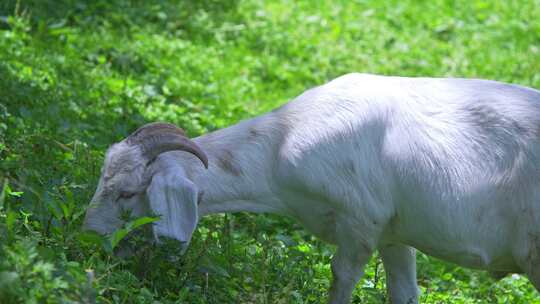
447, 166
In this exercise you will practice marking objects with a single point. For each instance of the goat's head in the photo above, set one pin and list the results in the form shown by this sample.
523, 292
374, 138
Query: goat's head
126, 184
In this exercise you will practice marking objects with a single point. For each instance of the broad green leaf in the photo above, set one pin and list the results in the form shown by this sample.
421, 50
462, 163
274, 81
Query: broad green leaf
55, 209
3, 192
90, 237
11, 218
117, 236
141, 221
121, 233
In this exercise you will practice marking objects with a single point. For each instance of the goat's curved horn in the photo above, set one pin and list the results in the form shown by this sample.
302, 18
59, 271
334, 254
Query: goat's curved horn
159, 137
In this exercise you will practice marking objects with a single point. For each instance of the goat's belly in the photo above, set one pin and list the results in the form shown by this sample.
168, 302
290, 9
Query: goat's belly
474, 246
470, 256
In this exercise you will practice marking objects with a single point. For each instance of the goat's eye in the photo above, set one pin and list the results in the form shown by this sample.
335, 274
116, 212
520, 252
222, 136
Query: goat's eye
126, 195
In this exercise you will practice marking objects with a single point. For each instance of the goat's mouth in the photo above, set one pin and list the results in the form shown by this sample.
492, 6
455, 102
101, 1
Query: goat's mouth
133, 243
101, 230
130, 246
138, 245
124, 251
165, 241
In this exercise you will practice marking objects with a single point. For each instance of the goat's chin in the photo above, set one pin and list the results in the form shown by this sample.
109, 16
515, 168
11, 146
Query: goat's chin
124, 252
165, 240
184, 247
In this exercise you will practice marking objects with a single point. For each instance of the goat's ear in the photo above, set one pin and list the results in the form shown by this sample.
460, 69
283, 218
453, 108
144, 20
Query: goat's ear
174, 198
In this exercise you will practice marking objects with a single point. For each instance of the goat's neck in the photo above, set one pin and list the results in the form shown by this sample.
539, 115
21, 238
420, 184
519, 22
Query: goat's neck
239, 177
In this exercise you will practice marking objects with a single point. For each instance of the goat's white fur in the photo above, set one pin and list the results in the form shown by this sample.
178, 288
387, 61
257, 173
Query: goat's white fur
448, 166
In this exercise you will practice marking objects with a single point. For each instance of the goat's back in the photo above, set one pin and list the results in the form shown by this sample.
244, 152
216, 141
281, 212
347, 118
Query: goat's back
452, 164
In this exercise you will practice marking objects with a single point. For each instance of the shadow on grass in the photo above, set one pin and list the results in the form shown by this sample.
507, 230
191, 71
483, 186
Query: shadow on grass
170, 16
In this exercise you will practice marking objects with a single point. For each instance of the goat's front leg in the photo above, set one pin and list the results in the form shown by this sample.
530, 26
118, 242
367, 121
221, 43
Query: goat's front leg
400, 267
347, 268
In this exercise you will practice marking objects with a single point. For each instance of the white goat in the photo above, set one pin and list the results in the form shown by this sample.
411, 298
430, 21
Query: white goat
448, 166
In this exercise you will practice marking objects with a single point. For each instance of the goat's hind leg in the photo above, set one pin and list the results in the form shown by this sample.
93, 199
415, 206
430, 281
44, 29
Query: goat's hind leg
533, 273
534, 278
400, 267
532, 263
527, 255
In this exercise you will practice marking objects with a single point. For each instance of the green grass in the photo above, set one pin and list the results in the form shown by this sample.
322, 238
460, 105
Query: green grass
77, 75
